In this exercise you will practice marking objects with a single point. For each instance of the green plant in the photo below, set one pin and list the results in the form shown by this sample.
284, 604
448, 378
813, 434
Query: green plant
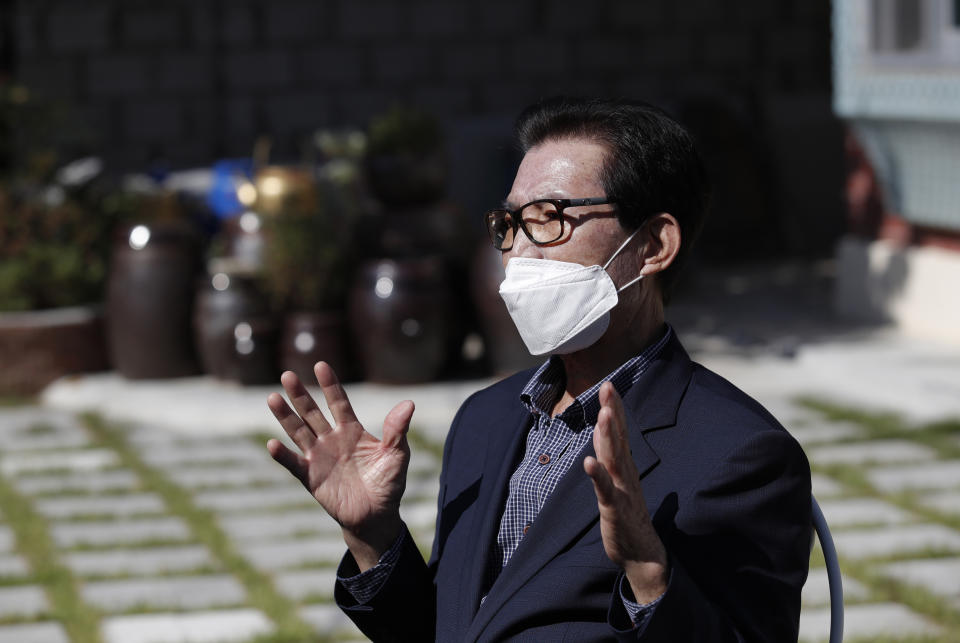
308, 256
404, 130
54, 231
55, 246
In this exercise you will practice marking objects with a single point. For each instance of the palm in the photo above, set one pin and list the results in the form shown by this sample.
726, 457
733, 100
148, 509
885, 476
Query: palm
353, 477
356, 477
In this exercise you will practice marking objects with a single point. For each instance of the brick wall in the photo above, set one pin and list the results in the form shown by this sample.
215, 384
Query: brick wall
185, 81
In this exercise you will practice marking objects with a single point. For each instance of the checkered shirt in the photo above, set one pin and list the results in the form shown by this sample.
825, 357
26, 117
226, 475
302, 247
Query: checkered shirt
554, 443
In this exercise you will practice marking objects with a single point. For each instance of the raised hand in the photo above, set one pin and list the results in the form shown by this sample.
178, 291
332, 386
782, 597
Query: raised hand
628, 534
357, 478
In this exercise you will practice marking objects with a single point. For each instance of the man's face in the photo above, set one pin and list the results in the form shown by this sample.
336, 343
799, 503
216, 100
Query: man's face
570, 169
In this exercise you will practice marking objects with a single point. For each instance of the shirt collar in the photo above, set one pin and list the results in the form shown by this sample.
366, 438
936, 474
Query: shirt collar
546, 385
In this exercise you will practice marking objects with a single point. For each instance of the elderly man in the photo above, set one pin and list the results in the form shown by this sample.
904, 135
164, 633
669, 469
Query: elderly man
619, 491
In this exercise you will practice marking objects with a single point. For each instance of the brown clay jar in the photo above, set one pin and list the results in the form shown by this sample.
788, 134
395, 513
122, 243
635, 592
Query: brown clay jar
236, 336
399, 314
150, 299
311, 337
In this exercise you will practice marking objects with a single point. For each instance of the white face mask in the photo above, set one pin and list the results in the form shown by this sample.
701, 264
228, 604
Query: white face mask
560, 307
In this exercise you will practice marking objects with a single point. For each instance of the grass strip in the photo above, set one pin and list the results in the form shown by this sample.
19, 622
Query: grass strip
32, 533
941, 437
261, 592
418, 440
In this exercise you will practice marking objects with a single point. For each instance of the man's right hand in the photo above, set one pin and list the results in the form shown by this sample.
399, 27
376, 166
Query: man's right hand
357, 478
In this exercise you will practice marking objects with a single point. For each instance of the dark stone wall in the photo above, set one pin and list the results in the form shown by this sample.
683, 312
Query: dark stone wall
182, 82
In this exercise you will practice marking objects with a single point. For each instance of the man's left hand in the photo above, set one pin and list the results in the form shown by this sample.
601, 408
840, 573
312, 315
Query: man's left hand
628, 534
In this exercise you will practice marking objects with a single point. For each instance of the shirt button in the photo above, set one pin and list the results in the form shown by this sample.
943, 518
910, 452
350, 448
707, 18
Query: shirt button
544, 458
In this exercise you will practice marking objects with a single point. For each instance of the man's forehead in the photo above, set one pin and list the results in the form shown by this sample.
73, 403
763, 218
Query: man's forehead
558, 169
513, 204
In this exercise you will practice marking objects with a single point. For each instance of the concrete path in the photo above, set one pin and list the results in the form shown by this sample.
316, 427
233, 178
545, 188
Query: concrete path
171, 523
151, 571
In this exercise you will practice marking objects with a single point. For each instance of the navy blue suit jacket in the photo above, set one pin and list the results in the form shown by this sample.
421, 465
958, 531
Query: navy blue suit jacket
727, 487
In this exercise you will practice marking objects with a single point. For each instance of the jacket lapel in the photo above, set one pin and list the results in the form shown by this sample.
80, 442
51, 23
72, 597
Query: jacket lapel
507, 432
572, 507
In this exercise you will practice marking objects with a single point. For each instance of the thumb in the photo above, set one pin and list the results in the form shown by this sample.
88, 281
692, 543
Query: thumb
602, 482
397, 423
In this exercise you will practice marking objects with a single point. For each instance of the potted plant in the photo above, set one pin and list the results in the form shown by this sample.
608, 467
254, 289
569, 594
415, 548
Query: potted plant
155, 261
405, 162
55, 224
308, 260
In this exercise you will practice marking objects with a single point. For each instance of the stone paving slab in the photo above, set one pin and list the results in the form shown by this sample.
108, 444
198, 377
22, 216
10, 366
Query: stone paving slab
424, 539
285, 554
816, 591
283, 496
109, 505
7, 539
931, 475
419, 515
207, 406
872, 452
119, 532
139, 561
824, 486
423, 487
13, 566
947, 502
197, 478
423, 462
940, 576
822, 431
204, 452
57, 439
869, 620
871, 543
20, 420
280, 524
177, 592
72, 460
299, 584
327, 618
848, 512
214, 626
144, 435
93, 482
33, 633
23, 600
790, 414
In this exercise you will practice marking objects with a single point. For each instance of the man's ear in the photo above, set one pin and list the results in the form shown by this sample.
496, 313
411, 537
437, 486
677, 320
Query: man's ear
660, 243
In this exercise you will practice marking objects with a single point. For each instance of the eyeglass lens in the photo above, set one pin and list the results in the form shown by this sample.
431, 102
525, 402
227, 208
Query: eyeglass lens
541, 221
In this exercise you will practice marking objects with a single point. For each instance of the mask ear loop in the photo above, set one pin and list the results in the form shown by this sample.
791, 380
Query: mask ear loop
629, 283
614, 256
622, 246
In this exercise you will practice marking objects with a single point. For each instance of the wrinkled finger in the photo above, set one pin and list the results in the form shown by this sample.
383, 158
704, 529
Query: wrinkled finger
293, 462
301, 434
610, 399
603, 484
397, 423
612, 406
602, 442
337, 402
303, 402
609, 449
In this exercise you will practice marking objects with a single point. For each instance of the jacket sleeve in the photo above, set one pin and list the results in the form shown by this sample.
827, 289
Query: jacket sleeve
739, 548
405, 606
